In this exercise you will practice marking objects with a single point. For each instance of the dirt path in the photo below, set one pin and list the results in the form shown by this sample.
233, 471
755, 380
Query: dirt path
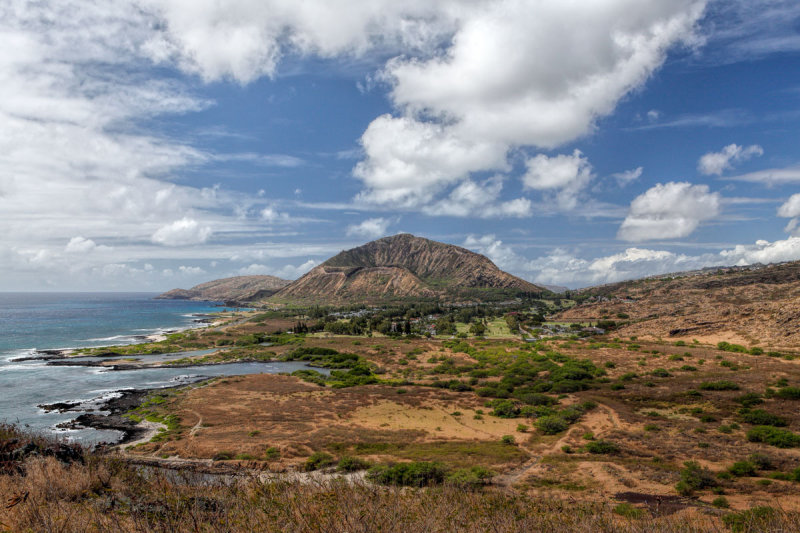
152, 429
600, 421
197, 427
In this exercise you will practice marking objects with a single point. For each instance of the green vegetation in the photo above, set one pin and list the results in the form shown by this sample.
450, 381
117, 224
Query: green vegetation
719, 385
693, 478
780, 438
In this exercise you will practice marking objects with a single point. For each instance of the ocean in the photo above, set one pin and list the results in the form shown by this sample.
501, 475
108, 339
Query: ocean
38, 321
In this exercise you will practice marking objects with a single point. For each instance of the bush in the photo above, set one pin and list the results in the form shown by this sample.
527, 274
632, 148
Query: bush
749, 400
660, 373
318, 460
780, 438
470, 477
762, 462
719, 385
272, 453
760, 417
743, 469
728, 347
720, 502
504, 409
507, 439
601, 447
628, 511
352, 464
694, 477
418, 474
788, 393
551, 425
755, 519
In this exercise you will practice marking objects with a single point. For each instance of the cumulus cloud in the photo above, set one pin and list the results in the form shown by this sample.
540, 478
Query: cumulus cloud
82, 245
566, 174
669, 211
182, 232
496, 87
564, 267
791, 209
629, 176
409, 161
718, 162
372, 228
470, 199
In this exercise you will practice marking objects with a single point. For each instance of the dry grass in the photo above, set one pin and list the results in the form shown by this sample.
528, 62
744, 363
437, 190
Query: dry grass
107, 496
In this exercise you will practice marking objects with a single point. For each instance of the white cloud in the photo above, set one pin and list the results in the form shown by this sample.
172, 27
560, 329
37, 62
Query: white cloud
409, 161
182, 232
191, 270
791, 209
372, 228
653, 115
284, 272
566, 174
771, 176
497, 87
82, 245
668, 211
563, 267
629, 176
273, 216
718, 162
470, 199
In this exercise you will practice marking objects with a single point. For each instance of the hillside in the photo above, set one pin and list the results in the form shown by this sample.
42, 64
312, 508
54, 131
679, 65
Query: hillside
754, 305
237, 289
401, 267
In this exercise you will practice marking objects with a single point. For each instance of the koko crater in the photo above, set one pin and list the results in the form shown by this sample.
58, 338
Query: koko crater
394, 268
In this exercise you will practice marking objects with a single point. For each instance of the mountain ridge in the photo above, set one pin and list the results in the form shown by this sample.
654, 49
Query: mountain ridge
237, 289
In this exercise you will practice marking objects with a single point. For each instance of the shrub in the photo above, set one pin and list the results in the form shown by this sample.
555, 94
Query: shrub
719, 385
601, 447
551, 425
760, 417
504, 409
628, 511
417, 474
762, 462
755, 519
318, 460
272, 453
470, 477
780, 438
749, 400
660, 373
721, 502
788, 393
507, 439
694, 477
728, 347
743, 469
352, 464
617, 386
522, 428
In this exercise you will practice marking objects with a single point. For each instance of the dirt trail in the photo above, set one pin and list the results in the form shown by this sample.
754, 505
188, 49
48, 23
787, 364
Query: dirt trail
152, 429
197, 427
596, 421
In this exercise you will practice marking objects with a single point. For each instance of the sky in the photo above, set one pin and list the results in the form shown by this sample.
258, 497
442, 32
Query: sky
153, 144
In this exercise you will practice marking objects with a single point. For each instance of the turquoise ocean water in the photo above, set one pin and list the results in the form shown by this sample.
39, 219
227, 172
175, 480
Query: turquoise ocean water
37, 321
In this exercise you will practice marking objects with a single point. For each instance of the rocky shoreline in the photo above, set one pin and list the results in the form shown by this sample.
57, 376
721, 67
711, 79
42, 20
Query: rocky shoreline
111, 418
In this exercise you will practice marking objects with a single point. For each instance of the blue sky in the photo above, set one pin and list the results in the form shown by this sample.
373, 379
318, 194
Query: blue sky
146, 145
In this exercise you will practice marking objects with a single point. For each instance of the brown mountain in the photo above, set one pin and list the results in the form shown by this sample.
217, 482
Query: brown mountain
753, 305
237, 289
400, 267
